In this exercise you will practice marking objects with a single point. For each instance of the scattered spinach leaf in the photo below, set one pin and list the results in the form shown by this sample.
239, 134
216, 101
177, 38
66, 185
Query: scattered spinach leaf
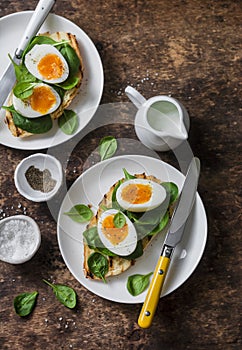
127, 175
38, 40
68, 122
107, 147
69, 84
115, 204
80, 213
24, 303
119, 220
136, 284
98, 265
171, 190
71, 58
66, 295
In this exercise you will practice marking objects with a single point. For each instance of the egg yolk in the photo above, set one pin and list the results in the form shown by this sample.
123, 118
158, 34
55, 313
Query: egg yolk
42, 99
137, 193
113, 234
51, 66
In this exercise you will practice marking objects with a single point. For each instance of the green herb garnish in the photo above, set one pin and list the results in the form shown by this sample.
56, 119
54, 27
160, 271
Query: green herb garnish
107, 147
24, 303
66, 295
68, 122
119, 220
98, 265
80, 213
136, 284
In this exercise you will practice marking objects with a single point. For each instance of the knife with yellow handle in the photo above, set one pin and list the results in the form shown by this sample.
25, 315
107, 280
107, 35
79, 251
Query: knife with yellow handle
173, 237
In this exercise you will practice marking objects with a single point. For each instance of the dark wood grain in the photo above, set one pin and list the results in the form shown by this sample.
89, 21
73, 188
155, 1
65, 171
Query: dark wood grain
190, 50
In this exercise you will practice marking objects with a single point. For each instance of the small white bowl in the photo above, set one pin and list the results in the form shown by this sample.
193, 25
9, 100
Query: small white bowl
19, 239
40, 161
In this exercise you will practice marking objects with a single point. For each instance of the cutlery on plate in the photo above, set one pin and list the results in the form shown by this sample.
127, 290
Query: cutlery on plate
7, 80
173, 237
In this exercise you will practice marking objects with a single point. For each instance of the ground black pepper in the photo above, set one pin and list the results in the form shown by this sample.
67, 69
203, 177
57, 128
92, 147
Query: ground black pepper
40, 180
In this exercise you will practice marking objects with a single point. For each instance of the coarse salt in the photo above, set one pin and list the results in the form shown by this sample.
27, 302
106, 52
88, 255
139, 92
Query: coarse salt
18, 240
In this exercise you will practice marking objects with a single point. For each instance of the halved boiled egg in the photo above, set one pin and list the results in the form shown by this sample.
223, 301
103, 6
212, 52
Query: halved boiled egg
46, 63
44, 100
121, 241
139, 195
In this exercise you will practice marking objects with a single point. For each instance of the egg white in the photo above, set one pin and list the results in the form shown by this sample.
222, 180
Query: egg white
158, 196
24, 108
33, 57
128, 245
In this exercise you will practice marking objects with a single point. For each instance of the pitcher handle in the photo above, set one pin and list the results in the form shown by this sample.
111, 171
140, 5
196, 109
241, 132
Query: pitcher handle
134, 96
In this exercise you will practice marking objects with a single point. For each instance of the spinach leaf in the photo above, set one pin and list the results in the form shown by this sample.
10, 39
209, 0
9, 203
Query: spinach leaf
107, 147
127, 175
136, 284
119, 220
24, 89
24, 303
66, 295
171, 190
21, 72
94, 242
80, 213
115, 204
137, 253
38, 40
71, 58
98, 265
38, 125
68, 122
162, 224
69, 83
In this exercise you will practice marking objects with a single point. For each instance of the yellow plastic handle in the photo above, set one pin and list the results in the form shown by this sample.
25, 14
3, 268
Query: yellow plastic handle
153, 295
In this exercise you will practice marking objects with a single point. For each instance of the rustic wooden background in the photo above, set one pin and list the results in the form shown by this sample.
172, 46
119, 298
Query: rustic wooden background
191, 50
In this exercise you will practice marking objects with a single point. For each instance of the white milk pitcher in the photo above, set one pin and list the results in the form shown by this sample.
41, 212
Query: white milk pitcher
161, 123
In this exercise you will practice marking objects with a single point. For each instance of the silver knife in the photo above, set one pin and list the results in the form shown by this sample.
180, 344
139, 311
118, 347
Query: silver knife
173, 237
8, 78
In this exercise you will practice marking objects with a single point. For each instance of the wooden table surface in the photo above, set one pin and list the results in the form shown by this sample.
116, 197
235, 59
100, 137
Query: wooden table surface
190, 50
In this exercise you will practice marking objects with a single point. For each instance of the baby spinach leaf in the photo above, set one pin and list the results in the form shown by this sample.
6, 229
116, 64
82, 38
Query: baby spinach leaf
80, 213
21, 72
136, 284
24, 89
24, 303
66, 295
137, 253
127, 175
69, 83
71, 58
38, 40
98, 265
38, 125
171, 190
68, 122
162, 224
119, 220
107, 147
93, 241
115, 204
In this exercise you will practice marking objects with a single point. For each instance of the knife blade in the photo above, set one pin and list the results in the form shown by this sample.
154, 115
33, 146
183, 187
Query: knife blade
8, 78
173, 237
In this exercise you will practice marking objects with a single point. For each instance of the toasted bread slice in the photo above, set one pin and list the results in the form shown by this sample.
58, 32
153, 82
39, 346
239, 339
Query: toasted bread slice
116, 264
69, 94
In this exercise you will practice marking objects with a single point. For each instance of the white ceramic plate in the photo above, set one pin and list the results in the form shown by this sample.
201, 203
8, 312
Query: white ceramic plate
89, 189
84, 104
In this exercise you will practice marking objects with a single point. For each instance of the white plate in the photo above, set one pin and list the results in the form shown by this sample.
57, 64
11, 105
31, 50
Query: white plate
89, 189
84, 104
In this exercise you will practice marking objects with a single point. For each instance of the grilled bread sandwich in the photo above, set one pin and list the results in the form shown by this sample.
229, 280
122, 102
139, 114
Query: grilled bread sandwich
47, 81
133, 211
